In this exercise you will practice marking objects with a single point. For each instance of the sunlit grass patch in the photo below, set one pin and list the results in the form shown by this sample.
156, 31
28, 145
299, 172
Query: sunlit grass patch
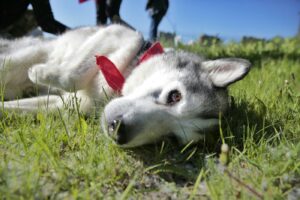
65, 155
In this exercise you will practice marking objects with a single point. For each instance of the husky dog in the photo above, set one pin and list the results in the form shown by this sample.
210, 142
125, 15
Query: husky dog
173, 93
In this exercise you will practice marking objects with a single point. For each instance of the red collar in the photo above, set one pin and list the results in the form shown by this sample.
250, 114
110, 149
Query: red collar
113, 76
82, 1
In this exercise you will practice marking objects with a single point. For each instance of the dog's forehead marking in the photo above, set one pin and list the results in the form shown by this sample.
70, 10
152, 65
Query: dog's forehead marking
181, 59
193, 76
164, 68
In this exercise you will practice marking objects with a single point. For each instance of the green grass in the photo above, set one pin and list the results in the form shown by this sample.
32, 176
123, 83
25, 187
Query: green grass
64, 155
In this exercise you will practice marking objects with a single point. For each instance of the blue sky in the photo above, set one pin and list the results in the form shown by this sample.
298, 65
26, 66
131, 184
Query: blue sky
230, 19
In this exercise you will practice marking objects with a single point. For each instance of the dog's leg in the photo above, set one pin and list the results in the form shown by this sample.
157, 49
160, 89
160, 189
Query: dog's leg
78, 67
78, 100
16, 57
32, 105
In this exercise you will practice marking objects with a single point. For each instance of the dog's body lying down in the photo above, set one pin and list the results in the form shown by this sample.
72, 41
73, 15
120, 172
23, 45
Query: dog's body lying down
175, 93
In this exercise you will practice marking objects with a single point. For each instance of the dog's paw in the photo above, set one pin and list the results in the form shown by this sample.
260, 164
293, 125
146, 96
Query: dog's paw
42, 74
61, 78
39, 75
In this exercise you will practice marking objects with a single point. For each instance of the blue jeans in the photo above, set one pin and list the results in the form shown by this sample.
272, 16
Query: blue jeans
155, 20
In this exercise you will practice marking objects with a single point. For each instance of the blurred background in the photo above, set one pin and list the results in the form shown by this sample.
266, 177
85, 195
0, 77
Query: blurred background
191, 19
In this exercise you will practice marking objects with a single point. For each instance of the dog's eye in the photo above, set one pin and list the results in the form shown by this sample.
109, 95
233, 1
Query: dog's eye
174, 96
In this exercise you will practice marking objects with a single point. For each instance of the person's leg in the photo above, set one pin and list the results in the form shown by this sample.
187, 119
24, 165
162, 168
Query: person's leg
113, 12
21, 27
155, 20
113, 9
45, 18
101, 12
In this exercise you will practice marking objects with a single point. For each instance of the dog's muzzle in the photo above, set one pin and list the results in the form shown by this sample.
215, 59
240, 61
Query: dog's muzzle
114, 124
135, 122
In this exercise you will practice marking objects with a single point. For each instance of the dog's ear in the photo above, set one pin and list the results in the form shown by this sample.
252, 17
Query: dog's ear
224, 72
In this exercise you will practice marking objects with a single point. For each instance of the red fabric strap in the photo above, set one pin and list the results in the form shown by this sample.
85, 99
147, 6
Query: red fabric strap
155, 49
111, 73
82, 1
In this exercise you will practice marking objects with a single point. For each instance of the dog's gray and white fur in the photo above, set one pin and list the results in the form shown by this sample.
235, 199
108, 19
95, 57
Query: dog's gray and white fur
175, 93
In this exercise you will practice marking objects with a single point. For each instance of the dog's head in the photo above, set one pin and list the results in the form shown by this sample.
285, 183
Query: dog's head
175, 93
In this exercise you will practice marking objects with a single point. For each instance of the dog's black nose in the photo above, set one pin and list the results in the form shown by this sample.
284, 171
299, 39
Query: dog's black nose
113, 126
117, 131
